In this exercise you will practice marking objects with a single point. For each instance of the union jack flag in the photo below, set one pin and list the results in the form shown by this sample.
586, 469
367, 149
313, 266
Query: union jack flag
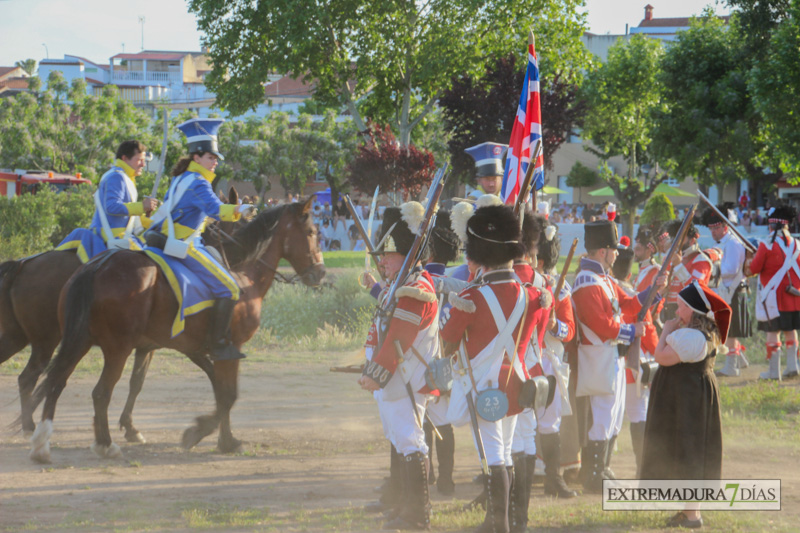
526, 131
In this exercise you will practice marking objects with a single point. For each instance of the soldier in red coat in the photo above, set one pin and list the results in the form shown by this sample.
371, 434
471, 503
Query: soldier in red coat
689, 264
400, 380
490, 325
778, 305
599, 304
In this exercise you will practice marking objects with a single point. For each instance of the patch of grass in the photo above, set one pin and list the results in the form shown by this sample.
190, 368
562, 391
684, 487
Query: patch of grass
763, 399
224, 516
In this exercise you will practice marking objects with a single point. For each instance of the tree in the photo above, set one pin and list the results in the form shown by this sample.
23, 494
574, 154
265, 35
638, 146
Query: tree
28, 65
704, 130
658, 210
483, 108
581, 176
386, 61
382, 161
64, 130
621, 98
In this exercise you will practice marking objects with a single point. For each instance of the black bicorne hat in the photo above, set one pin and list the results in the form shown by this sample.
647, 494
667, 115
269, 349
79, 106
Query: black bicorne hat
493, 236
600, 234
444, 243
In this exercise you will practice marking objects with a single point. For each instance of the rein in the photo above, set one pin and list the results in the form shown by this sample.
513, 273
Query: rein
277, 275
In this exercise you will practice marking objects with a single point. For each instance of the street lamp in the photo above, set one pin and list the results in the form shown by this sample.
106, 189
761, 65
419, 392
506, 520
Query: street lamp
46, 51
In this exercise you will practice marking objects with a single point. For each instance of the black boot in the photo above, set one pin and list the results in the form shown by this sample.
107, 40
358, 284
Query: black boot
530, 468
637, 441
446, 450
593, 465
392, 493
607, 472
221, 348
497, 485
520, 495
416, 513
554, 484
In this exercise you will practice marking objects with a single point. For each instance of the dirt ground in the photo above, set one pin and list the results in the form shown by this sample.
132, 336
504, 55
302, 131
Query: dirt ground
313, 454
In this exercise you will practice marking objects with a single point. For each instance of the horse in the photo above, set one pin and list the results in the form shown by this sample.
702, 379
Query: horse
120, 300
29, 292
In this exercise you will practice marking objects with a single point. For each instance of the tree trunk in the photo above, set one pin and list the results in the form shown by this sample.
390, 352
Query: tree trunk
628, 221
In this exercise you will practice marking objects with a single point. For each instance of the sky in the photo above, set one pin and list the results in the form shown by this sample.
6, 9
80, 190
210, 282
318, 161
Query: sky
99, 29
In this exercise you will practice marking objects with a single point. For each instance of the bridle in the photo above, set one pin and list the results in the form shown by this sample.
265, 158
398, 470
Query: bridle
282, 278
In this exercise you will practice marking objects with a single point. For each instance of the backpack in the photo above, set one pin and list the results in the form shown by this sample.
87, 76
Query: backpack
715, 256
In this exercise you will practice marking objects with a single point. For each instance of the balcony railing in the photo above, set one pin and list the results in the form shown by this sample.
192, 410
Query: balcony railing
140, 76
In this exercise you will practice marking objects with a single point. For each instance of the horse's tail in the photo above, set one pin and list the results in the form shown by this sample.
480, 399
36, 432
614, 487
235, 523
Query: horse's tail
8, 272
74, 344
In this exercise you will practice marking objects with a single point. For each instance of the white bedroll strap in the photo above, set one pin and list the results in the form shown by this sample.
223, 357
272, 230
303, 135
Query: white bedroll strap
791, 253
123, 242
505, 341
175, 247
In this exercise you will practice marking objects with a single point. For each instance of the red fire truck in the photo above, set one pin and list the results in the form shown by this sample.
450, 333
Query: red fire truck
29, 181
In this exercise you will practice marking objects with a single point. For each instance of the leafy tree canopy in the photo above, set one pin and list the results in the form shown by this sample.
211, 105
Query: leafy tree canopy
387, 61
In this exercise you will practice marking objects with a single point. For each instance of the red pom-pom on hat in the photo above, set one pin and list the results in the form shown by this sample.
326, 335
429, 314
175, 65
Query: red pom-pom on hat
625, 241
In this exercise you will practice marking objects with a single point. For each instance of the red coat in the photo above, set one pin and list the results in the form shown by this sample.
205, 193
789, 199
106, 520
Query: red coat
472, 319
697, 266
527, 275
650, 338
411, 316
767, 261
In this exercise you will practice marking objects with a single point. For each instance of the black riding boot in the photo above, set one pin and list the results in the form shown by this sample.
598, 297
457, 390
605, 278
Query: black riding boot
607, 472
446, 450
416, 513
520, 495
554, 484
497, 485
593, 465
637, 441
530, 467
221, 348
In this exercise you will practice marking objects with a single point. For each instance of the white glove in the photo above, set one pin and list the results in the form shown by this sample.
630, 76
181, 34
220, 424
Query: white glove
246, 210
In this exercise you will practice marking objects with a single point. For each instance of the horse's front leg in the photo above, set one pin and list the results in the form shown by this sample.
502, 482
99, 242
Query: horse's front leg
114, 362
41, 353
227, 373
141, 363
205, 424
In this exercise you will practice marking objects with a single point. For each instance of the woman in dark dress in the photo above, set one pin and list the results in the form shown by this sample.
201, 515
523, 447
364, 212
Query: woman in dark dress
683, 435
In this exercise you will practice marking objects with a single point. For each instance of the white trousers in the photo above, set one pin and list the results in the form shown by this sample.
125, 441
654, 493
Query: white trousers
525, 433
550, 418
608, 410
636, 406
497, 438
437, 410
404, 431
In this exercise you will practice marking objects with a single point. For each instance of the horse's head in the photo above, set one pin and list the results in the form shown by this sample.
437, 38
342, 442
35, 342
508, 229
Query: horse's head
301, 243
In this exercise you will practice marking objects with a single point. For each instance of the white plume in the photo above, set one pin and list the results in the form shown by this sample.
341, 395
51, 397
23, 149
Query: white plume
459, 217
550, 232
488, 200
412, 214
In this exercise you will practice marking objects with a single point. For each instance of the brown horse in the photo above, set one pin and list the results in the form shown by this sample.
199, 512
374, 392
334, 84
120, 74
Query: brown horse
29, 291
121, 301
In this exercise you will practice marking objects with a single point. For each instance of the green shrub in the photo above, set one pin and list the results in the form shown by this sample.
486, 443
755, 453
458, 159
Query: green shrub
33, 223
295, 311
658, 210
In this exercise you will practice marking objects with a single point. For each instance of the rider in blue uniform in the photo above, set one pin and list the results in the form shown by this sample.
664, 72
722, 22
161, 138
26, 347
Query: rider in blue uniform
193, 176
118, 199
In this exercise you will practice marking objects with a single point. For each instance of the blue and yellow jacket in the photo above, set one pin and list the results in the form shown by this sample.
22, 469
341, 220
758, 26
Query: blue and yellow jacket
197, 203
116, 200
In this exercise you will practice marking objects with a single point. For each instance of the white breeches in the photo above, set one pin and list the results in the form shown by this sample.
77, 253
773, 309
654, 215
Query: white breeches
404, 431
608, 410
497, 438
636, 407
437, 410
550, 418
525, 433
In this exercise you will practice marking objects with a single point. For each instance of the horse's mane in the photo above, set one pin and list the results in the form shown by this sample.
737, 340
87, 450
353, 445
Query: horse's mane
252, 239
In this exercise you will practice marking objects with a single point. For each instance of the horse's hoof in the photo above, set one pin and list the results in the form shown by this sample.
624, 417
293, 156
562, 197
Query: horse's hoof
27, 433
232, 446
135, 437
40, 442
191, 437
107, 452
41, 454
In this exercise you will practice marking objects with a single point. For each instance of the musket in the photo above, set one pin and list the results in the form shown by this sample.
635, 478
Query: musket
473, 411
632, 359
371, 219
562, 279
747, 244
349, 369
527, 183
361, 230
